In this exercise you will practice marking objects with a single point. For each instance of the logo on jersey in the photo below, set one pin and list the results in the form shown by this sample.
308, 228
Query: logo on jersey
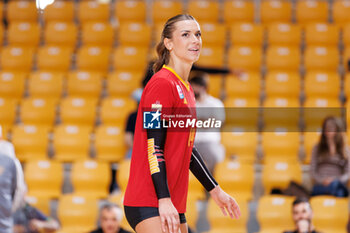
151, 120
180, 92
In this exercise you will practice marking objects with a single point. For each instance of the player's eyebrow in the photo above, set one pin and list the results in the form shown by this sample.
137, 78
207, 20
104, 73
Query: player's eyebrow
189, 31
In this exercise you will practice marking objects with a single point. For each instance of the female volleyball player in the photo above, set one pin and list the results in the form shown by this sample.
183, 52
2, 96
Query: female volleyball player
155, 198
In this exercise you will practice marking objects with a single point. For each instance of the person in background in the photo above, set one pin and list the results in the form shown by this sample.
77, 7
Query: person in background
110, 217
29, 219
12, 185
208, 142
130, 124
302, 216
330, 160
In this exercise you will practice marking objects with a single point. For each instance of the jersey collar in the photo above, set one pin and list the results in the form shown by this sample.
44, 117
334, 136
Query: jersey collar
177, 76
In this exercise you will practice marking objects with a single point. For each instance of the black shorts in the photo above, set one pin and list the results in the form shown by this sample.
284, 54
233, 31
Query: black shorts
135, 215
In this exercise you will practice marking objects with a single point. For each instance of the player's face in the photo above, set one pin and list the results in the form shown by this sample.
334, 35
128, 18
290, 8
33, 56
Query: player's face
109, 221
330, 129
186, 41
302, 211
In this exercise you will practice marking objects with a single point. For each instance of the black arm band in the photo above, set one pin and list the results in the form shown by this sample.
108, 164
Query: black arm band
201, 172
155, 142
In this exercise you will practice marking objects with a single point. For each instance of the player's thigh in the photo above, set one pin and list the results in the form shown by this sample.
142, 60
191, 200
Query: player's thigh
153, 225
149, 225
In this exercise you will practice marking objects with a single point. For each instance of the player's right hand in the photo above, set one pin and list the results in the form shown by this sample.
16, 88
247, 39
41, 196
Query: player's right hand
169, 216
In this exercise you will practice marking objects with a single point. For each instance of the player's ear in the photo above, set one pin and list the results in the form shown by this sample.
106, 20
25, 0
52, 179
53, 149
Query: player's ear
168, 44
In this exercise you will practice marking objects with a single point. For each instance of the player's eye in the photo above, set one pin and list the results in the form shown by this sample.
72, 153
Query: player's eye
186, 34
198, 34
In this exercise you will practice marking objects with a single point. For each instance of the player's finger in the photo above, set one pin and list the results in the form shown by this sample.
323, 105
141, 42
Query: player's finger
176, 223
223, 210
229, 208
163, 223
170, 224
236, 209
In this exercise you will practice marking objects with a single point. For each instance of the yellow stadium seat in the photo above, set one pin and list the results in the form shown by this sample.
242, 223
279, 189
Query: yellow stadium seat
61, 34
284, 34
44, 178
346, 35
62, 11
347, 85
274, 213
1, 10
52, 58
91, 178
91, 58
245, 58
130, 58
123, 83
287, 147
8, 109
12, 84
93, 11
281, 114
135, 34
71, 142
192, 212
317, 109
130, 11
247, 85
236, 178
97, 34
340, 12
79, 111
195, 189
224, 224
38, 111
330, 214
322, 84
346, 57
242, 113
279, 171
283, 84
273, 11
123, 174
16, 59
310, 140
213, 34
204, 10
22, 10
321, 34
2, 32
282, 58
321, 58
241, 145
109, 143
23, 34
41, 203
215, 85
212, 56
311, 11
84, 84
114, 111
30, 141
164, 10
246, 34
46, 85
236, 11
77, 213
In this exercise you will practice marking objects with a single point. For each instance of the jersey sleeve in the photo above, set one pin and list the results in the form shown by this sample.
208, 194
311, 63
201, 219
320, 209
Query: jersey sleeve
159, 96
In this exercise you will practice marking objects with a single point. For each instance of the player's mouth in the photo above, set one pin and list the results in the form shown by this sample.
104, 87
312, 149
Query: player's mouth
195, 50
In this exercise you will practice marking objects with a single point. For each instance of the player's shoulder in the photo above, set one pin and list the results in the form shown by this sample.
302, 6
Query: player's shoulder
161, 79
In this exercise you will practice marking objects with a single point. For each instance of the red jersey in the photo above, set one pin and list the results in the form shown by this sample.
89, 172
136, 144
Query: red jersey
165, 90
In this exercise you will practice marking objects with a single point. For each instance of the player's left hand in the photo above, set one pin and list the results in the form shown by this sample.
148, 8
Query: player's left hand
226, 203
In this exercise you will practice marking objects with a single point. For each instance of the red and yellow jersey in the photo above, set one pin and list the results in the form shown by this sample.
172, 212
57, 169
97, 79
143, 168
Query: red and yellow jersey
170, 95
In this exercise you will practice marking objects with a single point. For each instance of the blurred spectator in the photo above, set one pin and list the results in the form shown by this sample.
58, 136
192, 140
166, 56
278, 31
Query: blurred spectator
28, 219
208, 142
110, 217
302, 216
330, 160
130, 125
12, 185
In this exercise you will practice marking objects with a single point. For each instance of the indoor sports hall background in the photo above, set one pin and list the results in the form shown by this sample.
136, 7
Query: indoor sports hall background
68, 70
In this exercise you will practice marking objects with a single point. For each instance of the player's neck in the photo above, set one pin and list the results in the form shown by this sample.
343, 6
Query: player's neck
181, 68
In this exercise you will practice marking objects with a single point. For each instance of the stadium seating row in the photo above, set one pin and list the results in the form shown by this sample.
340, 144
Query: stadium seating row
204, 10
